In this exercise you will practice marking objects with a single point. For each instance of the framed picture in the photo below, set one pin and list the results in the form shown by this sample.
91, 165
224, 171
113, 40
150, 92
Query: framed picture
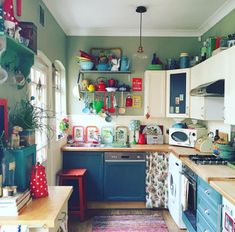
121, 134
136, 101
91, 133
136, 84
78, 133
104, 54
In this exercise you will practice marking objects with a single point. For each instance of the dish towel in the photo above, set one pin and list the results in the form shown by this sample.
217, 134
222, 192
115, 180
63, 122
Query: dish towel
14, 228
184, 195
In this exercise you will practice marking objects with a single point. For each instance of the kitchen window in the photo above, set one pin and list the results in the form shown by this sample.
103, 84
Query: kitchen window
59, 85
40, 73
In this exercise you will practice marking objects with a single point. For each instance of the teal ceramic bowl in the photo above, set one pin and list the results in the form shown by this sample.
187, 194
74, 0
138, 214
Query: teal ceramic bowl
86, 65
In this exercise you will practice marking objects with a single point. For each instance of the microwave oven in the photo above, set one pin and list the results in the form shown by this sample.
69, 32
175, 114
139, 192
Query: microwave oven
185, 137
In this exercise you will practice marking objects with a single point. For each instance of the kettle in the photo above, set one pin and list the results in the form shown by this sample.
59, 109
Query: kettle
125, 63
101, 86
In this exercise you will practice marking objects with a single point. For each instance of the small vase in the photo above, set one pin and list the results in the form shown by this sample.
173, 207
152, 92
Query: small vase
27, 137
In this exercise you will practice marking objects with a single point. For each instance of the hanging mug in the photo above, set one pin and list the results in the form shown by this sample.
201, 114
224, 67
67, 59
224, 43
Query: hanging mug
129, 101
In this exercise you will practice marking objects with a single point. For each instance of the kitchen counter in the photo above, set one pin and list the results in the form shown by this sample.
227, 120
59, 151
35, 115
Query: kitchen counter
42, 212
225, 188
210, 172
221, 174
178, 151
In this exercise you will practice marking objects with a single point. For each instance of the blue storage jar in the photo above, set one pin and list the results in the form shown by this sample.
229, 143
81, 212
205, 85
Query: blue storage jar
184, 60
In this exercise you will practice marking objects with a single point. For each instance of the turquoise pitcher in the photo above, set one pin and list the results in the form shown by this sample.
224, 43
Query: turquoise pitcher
125, 63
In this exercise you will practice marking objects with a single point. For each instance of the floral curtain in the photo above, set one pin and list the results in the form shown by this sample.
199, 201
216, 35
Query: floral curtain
156, 180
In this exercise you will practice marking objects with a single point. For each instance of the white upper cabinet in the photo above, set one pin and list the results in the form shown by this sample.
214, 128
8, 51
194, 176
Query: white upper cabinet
209, 70
207, 108
229, 97
212, 69
155, 84
177, 93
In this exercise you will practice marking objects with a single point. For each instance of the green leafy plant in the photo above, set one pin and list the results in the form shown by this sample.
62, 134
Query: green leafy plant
29, 116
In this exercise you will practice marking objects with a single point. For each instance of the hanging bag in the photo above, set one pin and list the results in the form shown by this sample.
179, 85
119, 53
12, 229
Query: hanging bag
38, 181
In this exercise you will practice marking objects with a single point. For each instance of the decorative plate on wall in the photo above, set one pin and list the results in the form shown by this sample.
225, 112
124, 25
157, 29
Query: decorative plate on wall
91, 133
78, 133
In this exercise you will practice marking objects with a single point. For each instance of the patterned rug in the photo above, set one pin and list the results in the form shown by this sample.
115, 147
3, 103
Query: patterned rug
129, 223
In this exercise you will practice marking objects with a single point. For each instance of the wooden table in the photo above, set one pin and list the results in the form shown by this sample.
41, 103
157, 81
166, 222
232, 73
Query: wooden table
43, 214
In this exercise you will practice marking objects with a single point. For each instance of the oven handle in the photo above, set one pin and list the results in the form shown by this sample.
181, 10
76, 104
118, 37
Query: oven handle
191, 181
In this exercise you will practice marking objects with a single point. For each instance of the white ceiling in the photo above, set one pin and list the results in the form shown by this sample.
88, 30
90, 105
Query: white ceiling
119, 18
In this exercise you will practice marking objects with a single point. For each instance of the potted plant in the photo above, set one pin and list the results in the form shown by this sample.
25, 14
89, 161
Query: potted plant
30, 117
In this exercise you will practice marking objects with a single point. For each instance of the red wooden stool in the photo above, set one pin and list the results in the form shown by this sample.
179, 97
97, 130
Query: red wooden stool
79, 175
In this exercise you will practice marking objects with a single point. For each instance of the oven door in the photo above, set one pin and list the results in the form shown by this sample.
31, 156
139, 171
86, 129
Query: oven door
189, 200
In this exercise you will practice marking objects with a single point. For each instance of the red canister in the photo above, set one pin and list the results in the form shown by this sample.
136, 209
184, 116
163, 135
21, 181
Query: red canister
129, 101
38, 181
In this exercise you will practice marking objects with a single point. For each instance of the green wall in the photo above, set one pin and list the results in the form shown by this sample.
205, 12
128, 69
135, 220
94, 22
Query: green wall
165, 47
51, 38
223, 28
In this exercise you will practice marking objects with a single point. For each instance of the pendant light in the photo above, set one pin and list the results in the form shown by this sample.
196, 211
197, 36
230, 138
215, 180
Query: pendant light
140, 52
139, 58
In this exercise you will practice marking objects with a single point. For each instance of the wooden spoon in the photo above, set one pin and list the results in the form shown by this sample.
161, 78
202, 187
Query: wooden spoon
122, 109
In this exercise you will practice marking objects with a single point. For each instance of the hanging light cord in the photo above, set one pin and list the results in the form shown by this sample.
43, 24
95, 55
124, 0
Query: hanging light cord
141, 10
141, 30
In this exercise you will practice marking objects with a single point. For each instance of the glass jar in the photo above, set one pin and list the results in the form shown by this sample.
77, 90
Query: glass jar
184, 60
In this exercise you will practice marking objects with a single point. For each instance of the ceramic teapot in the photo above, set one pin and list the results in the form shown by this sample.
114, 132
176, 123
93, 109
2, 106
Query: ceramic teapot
101, 86
112, 82
125, 63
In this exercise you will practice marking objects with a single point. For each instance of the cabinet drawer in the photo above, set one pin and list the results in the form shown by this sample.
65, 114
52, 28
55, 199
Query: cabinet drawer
206, 192
208, 212
202, 225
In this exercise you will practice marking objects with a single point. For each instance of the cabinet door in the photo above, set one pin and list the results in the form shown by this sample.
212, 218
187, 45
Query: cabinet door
209, 70
207, 108
177, 93
93, 162
155, 84
229, 96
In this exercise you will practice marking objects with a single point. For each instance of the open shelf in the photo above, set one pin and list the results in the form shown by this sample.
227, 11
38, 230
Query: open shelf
103, 72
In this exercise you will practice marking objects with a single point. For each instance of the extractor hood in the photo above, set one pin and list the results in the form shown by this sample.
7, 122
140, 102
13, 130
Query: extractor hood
210, 89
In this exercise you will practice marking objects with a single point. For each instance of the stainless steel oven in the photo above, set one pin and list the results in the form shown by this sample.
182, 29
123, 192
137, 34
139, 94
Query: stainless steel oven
189, 198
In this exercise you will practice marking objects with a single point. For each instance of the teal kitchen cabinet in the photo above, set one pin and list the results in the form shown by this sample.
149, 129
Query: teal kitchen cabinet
93, 162
208, 208
177, 93
25, 158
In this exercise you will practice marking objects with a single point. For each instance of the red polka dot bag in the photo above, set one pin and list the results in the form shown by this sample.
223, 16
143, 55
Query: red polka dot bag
38, 181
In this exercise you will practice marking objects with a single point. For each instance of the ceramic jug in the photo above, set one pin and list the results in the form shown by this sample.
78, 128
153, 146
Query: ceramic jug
125, 63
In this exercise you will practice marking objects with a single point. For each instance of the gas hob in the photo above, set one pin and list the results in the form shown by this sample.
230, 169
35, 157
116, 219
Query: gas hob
207, 160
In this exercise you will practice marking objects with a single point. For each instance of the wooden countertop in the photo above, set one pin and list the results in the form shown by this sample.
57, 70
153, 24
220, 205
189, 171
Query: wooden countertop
225, 188
41, 212
178, 151
210, 172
